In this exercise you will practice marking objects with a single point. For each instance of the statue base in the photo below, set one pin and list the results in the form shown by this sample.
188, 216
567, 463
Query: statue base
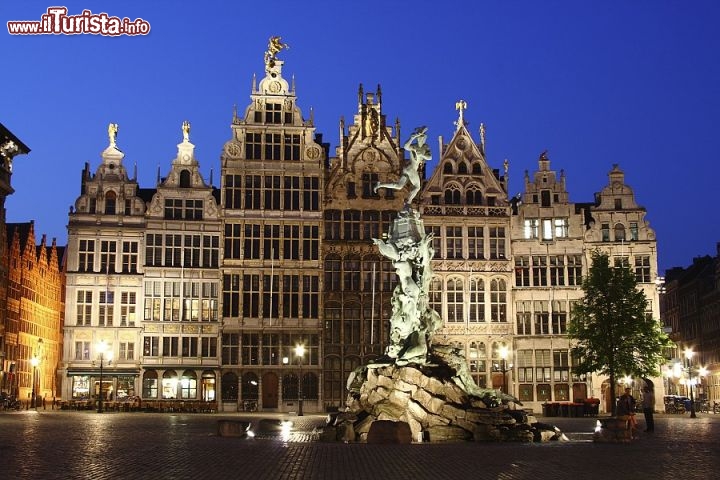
432, 400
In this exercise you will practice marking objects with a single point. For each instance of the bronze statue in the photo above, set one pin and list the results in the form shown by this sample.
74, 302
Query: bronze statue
419, 154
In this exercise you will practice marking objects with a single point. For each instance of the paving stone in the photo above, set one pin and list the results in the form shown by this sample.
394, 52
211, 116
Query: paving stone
62, 445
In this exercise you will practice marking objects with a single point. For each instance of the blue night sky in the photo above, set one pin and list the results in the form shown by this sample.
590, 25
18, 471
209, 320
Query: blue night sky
635, 83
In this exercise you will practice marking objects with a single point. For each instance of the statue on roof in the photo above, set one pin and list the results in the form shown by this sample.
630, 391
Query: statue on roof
275, 45
112, 133
186, 131
461, 106
419, 154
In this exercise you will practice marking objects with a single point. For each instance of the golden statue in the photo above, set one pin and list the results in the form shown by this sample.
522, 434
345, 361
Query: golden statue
461, 106
274, 46
186, 131
112, 133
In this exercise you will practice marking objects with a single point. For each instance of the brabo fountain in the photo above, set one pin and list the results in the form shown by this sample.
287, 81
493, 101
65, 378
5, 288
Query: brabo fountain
421, 390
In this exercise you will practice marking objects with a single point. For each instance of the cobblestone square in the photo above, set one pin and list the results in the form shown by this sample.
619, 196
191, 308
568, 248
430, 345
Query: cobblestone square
63, 445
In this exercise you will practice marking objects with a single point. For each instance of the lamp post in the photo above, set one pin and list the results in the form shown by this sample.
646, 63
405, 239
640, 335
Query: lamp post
300, 353
688, 356
503, 367
102, 349
35, 362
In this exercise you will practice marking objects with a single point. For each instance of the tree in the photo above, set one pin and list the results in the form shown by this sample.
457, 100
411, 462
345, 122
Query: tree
613, 332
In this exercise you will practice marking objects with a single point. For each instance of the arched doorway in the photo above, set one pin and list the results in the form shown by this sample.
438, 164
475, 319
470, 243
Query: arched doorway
270, 390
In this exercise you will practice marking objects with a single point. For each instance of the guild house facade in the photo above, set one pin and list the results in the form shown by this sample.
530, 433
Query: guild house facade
269, 291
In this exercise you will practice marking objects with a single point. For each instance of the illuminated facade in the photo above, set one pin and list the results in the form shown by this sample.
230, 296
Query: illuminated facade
179, 311
104, 275
358, 282
271, 191
34, 314
205, 294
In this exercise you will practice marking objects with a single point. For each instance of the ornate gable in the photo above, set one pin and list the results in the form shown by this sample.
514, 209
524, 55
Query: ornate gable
463, 176
184, 183
109, 191
368, 153
272, 128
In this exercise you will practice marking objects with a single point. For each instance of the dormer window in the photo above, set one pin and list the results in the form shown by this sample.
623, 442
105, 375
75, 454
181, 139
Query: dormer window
618, 204
273, 113
110, 203
545, 198
185, 179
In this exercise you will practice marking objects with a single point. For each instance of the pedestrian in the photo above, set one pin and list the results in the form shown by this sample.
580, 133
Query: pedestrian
648, 403
44, 401
626, 410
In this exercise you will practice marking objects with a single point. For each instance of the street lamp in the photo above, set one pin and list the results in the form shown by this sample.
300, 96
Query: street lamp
688, 356
35, 362
300, 353
102, 349
503, 366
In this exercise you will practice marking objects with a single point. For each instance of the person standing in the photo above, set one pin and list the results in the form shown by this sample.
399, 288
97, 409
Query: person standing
648, 404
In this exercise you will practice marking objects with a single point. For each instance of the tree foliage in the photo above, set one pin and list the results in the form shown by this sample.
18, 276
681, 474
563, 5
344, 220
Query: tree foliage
612, 332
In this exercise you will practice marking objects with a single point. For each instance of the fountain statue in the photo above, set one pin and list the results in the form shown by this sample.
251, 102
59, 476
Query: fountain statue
419, 387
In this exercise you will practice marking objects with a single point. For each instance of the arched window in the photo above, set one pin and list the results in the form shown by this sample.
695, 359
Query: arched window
476, 168
452, 195
448, 167
351, 363
229, 387
473, 196
110, 203
188, 385
620, 232
185, 179
477, 300
498, 301
250, 386
462, 168
169, 384
310, 385
290, 387
435, 295
455, 300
